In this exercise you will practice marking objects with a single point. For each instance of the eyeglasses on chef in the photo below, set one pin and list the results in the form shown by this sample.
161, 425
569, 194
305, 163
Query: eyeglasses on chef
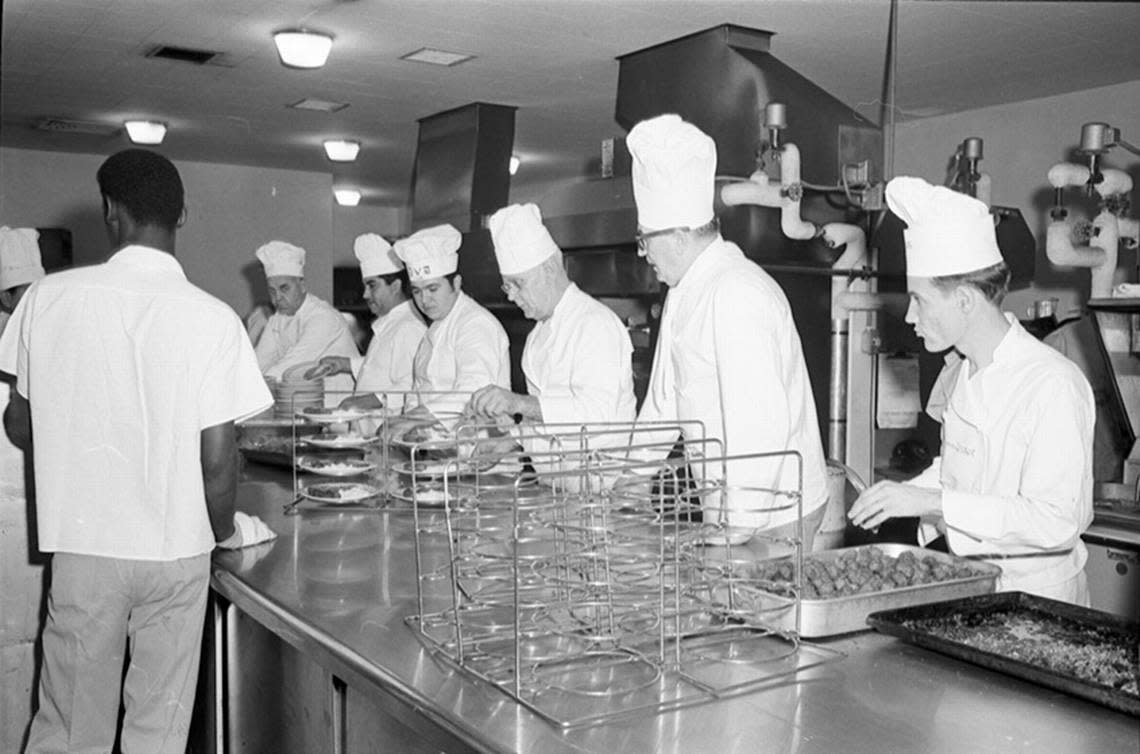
642, 238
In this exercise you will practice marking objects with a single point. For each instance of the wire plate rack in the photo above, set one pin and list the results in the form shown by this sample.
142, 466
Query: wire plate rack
613, 575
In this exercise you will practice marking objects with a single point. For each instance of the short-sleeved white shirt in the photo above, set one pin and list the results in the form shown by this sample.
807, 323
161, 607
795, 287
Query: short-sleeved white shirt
124, 364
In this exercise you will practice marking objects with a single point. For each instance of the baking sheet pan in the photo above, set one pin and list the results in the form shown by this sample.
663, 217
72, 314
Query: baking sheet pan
907, 624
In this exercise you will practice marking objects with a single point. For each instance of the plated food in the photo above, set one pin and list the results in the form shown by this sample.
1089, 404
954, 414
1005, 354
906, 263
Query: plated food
339, 492
334, 466
344, 440
426, 494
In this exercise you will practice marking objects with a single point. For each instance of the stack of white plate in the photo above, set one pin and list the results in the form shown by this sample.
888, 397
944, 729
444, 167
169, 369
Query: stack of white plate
293, 393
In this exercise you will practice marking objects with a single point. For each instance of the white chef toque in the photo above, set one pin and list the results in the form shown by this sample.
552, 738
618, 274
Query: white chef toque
20, 262
947, 233
521, 240
281, 258
674, 165
375, 255
430, 253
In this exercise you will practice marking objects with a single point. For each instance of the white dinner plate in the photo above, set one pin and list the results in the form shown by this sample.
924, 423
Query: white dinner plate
334, 466
339, 493
329, 440
334, 415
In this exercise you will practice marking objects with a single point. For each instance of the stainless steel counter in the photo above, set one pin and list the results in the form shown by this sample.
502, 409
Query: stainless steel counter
336, 586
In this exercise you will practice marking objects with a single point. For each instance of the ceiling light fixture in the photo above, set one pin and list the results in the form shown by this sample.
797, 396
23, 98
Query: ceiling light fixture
299, 48
342, 150
145, 131
513, 165
347, 197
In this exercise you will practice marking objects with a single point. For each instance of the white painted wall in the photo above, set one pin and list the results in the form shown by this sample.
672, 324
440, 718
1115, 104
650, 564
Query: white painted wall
231, 210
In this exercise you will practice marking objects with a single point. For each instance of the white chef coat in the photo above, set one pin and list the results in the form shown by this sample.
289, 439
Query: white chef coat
1016, 464
124, 364
316, 330
462, 352
728, 355
577, 363
387, 366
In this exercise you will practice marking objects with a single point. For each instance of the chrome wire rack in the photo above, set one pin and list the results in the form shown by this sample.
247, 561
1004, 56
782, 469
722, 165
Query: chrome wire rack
602, 572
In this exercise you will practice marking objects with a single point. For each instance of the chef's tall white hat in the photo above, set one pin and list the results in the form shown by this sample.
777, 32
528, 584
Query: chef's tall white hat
947, 233
375, 255
674, 165
20, 262
281, 258
431, 252
521, 241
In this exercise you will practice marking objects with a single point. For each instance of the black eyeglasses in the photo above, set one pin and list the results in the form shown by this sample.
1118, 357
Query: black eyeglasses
643, 238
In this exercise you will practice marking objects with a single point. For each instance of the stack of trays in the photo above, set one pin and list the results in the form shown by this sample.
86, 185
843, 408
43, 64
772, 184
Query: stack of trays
293, 393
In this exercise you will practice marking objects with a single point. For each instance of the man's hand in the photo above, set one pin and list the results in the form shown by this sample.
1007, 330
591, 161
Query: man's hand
329, 365
886, 500
366, 402
495, 403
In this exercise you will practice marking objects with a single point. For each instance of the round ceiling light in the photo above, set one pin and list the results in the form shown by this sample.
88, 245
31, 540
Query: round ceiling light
347, 197
303, 49
145, 131
342, 150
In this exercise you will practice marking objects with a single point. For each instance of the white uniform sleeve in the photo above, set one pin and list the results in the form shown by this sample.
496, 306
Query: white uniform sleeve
233, 388
1054, 503
322, 334
929, 478
14, 343
601, 371
403, 353
753, 366
481, 358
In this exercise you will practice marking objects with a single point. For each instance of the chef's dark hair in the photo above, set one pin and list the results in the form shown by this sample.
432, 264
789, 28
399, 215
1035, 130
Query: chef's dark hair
992, 281
146, 184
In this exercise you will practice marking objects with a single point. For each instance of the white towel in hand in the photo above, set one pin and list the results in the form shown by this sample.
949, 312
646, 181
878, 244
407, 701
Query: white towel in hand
251, 530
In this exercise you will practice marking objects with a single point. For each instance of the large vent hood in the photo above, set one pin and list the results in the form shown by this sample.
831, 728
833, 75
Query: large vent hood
461, 177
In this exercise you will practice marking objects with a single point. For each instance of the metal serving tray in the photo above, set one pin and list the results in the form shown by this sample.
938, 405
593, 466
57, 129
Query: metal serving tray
898, 623
840, 615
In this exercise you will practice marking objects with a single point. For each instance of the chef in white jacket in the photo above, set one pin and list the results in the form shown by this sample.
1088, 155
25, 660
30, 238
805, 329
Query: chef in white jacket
1014, 479
396, 332
577, 358
20, 266
465, 347
303, 328
728, 353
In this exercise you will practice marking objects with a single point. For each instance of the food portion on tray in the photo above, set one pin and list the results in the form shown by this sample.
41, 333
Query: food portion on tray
863, 570
840, 588
340, 492
1088, 653
334, 465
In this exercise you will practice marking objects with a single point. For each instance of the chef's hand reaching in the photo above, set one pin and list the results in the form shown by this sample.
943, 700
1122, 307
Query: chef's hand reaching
248, 531
365, 402
885, 500
493, 403
329, 365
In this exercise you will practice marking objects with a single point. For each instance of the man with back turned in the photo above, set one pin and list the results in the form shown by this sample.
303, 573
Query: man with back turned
130, 378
